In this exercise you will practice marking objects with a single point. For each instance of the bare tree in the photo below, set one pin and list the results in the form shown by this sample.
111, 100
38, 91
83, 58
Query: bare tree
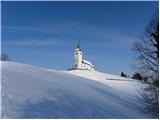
147, 63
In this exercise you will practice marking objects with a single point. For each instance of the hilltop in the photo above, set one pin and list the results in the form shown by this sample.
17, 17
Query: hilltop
34, 92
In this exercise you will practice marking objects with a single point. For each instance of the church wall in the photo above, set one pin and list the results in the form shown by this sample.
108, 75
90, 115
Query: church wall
78, 58
86, 66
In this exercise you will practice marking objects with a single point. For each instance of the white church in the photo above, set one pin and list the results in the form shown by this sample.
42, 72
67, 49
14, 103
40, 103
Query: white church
79, 62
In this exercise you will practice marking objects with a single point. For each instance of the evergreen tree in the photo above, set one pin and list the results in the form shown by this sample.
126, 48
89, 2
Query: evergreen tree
123, 74
137, 76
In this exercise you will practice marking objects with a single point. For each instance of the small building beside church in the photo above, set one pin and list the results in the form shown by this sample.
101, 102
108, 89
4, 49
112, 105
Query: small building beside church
79, 62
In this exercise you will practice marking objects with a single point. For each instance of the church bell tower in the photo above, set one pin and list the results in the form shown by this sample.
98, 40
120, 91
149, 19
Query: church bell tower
78, 57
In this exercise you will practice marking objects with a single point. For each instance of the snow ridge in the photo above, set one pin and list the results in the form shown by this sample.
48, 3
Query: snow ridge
32, 92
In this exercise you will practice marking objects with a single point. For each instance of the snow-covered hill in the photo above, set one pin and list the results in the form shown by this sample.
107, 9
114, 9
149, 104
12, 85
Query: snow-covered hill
32, 92
126, 85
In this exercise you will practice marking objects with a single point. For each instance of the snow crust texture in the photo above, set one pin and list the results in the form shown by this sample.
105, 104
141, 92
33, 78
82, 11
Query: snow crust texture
32, 92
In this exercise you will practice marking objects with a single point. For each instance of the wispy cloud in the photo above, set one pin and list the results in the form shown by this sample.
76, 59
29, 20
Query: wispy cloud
22, 28
75, 30
36, 42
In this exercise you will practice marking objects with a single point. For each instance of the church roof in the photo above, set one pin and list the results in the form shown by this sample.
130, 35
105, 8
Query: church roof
87, 62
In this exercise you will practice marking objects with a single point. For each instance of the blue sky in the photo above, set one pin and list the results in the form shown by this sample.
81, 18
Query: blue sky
45, 33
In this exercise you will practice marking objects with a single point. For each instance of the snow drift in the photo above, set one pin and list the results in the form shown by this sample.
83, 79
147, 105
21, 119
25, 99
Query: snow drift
32, 92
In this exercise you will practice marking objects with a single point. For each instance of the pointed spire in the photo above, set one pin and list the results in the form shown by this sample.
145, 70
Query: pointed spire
78, 46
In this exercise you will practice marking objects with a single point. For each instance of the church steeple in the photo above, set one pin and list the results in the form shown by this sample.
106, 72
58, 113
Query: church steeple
78, 46
78, 57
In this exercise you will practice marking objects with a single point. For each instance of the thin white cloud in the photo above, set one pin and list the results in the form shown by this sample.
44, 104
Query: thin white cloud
76, 30
21, 28
36, 42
